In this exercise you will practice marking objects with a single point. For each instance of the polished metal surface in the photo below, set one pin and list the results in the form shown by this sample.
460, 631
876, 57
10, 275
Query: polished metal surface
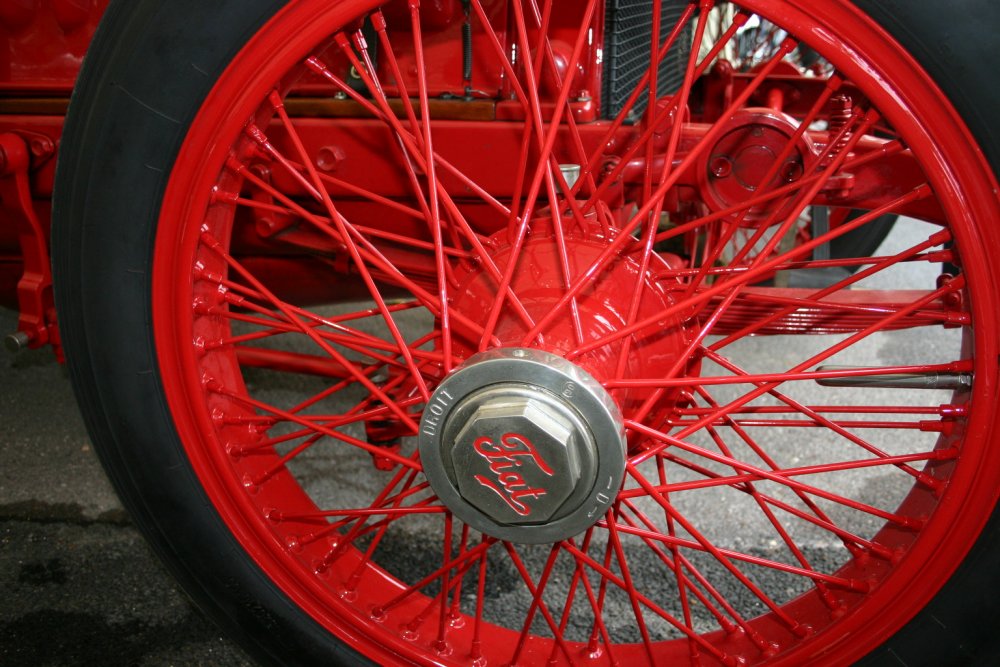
523, 445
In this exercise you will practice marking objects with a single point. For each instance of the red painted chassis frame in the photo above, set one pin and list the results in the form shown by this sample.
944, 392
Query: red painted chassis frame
46, 40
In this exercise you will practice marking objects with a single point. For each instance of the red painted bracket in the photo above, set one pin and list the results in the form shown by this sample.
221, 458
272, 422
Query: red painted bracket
36, 324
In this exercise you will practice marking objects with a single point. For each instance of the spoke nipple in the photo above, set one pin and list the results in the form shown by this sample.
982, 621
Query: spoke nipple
802, 629
953, 411
931, 482
293, 544
342, 42
770, 649
223, 197
273, 515
259, 137
234, 299
315, 64
234, 450
250, 485
209, 240
319, 567
201, 306
377, 614
235, 165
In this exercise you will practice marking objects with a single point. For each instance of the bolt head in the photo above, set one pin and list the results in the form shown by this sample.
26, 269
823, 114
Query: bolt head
516, 459
330, 158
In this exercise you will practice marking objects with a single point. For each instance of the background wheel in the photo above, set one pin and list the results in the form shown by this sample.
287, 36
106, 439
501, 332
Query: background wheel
257, 328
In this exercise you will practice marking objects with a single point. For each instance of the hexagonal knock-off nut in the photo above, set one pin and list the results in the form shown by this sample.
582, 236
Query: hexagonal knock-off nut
518, 459
523, 445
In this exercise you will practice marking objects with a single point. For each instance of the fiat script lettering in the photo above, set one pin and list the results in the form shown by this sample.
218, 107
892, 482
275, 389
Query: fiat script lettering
507, 459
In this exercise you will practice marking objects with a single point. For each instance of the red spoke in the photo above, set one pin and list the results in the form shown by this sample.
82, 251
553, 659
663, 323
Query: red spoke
540, 171
287, 416
536, 603
751, 488
451, 251
675, 134
279, 465
579, 575
665, 440
888, 149
664, 114
586, 277
536, 593
413, 146
743, 478
476, 652
832, 426
435, 215
373, 289
611, 524
215, 245
817, 517
609, 577
682, 593
792, 375
726, 556
935, 239
748, 277
469, 556
358, 512
679, 562
366, 249
281, 324
833, 84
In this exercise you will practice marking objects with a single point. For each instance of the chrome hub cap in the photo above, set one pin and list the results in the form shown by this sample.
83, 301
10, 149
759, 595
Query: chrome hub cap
523, 445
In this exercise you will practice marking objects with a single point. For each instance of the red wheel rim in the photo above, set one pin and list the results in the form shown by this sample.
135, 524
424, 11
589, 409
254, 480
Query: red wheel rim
342, 564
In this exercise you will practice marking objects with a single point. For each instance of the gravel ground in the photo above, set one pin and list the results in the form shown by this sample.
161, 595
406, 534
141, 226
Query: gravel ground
81, 588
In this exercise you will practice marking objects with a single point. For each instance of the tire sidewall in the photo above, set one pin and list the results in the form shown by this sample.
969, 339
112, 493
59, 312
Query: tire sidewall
149, 68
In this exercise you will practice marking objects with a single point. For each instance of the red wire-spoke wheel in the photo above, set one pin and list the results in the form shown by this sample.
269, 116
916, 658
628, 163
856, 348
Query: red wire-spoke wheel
514, 377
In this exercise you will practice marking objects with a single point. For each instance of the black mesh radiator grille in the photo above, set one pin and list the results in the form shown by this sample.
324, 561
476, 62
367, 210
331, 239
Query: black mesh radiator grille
628, 25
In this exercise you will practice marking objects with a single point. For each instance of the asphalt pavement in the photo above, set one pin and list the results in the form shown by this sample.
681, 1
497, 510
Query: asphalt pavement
79, 585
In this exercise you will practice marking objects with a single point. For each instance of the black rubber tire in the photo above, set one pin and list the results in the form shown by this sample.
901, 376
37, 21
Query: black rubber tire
149, 68
960, 625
